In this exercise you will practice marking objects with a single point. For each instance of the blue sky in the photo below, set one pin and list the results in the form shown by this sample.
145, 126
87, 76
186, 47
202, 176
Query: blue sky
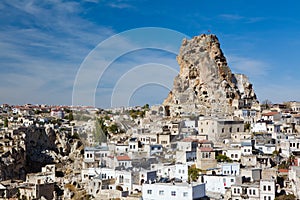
44, 44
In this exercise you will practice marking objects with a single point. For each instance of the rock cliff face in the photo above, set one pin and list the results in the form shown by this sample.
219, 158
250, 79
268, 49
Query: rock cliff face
33, 147
205, 84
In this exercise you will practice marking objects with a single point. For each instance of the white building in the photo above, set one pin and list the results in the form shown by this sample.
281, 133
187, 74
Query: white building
179, 171
152, 149
174, 191
121, 179
265, 148
233, 153
133, 145
267, 189
218, 184
246, 148
147, 176
245, 191
190, 124
230, 169
271, 116
95, 156
57, 113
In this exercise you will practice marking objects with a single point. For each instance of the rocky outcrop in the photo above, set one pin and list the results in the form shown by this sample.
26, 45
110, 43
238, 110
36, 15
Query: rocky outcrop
205, 84
34, 147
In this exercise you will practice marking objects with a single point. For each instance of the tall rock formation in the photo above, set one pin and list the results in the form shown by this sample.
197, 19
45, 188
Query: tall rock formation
205, 84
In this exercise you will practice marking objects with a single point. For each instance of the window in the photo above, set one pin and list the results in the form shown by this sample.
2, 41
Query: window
269, 187
173, 193
269, 198
234, 190
265, 188
232, 180
149, 191
253, 192
185, 194
161, 192
238, 190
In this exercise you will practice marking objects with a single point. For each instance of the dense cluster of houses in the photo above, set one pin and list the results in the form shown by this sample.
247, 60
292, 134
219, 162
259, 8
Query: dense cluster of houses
252, 155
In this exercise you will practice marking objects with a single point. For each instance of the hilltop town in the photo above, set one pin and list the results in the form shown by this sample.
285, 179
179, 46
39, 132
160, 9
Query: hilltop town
209, 139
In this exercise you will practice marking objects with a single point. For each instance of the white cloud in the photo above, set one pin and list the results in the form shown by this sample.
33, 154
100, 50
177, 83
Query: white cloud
231, 17
248, 66
236, 17
278, 92
40, 56
120, 5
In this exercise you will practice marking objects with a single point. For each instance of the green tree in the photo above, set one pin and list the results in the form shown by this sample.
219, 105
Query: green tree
71, 117
286, 197
100, 133
267, 104
113, 128
247, 126
5, 122
133, 114
275, 153
146, 107
223, 158
37, 112
193, 173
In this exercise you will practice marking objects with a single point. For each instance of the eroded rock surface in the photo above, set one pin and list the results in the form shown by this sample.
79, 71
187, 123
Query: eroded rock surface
205, 84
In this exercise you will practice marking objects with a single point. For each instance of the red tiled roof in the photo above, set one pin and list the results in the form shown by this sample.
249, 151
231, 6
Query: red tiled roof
123, 158
270, 113
189, 140
205, 141
283, 170
209, 149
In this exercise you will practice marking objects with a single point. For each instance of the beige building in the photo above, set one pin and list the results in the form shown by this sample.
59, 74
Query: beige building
219, 129
165, 139
294, 177
249, 160
39, 184
295, 106
206, 158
